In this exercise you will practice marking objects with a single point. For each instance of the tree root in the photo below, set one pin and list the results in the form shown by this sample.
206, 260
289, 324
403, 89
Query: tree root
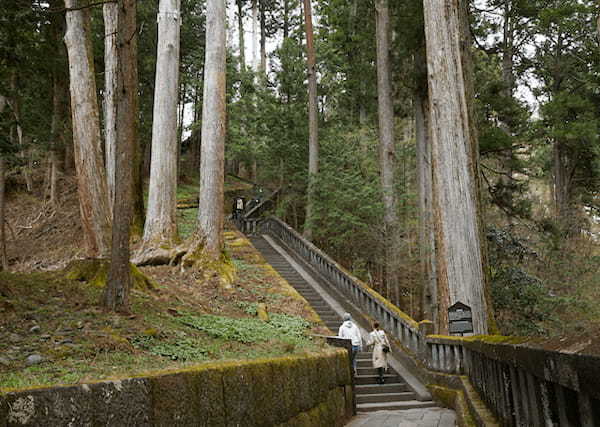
95, 272
190, 254
161, 255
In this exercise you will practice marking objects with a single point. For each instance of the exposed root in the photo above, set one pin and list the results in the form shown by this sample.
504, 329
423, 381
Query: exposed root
95, 272
190, 254
217, 269
162, 255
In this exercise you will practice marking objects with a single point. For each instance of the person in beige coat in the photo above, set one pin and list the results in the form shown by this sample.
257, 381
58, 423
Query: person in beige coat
380, 343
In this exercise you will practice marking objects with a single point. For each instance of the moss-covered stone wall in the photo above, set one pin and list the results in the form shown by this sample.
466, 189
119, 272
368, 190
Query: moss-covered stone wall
311, 390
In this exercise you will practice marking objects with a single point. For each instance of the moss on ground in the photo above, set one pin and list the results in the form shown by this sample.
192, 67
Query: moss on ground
79, 342
95, 273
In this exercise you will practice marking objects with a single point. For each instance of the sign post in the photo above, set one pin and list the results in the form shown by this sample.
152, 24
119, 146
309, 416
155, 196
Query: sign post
460, 319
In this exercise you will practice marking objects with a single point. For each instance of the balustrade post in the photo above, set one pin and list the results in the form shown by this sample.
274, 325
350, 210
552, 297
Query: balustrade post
516, 399
526, 404
586, 413
448, 357
436, 357
425, 328
561, 404
534, 400
457, 359
414, 344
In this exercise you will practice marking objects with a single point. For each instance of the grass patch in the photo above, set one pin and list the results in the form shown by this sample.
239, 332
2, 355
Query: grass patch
182, 322
249, 330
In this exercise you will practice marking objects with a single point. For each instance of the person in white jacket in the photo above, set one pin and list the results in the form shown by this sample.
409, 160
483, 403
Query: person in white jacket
350, 331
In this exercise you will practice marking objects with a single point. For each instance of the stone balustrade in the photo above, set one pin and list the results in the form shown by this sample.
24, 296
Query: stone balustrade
523, 383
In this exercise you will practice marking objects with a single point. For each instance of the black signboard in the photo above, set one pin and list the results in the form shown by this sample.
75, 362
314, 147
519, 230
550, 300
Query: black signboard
460, 319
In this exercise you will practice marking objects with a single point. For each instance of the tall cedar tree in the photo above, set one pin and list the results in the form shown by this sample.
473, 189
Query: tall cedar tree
460, 273
116, 295
210, 214
161, 225
91, 175
313, 118
387, 150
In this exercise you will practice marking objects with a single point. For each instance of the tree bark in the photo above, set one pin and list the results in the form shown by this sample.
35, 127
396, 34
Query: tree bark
59, 107
241, 38
255, 35
111, 16
425, 186
16, 109
91, 176
313, 118
425, 189
3, 255
387, 151
161, 218
286, 19
509, 83
263, 38
210, 214
460, 273
561, 174
57, 132
116, 295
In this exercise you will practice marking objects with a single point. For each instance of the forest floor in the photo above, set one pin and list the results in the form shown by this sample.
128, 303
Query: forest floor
53, 330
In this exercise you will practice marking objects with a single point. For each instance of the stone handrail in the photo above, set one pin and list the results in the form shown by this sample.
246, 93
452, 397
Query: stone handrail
400, 325
250, 221
523, 383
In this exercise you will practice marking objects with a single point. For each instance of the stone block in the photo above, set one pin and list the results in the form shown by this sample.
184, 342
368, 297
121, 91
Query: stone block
121, 403
209, 397
174, 399
3, 411
284, 384
248, 394
115, 403
349, 401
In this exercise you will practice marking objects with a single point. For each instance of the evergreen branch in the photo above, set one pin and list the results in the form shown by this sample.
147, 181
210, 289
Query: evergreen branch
73, 9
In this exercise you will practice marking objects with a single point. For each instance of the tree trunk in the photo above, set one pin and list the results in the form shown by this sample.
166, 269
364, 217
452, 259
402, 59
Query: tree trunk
286, 19
91, 176
116, 295
561, 185
255, 35
210, 214
460, 273
241, 38
59, 108
3, 256
57, 132
263, 38
509, 83
387, 151
161, 219
313, 119
425, 185
16, 109
111, 15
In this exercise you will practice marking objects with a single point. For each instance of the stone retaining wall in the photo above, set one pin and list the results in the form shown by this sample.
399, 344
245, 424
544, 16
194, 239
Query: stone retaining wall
313, 390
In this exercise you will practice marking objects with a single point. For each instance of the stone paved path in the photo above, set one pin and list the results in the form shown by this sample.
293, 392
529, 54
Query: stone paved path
431, 417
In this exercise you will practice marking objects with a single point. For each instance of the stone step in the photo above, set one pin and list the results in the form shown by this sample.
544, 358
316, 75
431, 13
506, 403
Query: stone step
323, 306
381, 388
333, 317
372, 379
385, 397
394, 406
327, 316
370, 370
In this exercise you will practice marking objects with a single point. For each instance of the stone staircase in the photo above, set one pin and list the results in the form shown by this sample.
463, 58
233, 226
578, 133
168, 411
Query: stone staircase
370, 396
